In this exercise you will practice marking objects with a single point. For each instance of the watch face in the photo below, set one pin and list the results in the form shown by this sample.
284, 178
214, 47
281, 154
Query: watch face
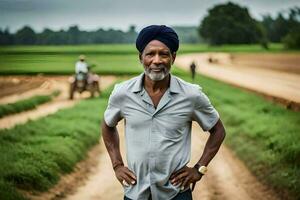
202, 170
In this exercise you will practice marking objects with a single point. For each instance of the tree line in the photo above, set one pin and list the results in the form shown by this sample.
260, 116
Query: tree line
232, 24
73, 36
226, 23
27, 36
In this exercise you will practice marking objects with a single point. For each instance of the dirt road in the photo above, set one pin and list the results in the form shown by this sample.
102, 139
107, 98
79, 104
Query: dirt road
277, 84
94, 178
48, 85
227, 178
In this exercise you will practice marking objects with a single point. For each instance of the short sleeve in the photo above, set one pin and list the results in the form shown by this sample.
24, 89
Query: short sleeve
204, 112
113, 112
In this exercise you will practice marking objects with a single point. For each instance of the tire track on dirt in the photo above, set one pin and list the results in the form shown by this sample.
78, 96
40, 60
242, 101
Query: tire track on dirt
45, 89
94, 179
227, 178
43, 110
282, 86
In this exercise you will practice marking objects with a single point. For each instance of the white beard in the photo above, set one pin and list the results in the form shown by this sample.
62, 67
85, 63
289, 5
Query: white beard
157, 76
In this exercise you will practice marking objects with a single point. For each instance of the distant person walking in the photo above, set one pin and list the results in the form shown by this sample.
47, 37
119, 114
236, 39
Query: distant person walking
193, 70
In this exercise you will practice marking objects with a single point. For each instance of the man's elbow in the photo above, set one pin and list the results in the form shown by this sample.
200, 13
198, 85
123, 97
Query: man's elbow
219, 131
105, 128
222, 134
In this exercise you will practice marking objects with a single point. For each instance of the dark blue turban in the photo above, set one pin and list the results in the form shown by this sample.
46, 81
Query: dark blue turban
162, 33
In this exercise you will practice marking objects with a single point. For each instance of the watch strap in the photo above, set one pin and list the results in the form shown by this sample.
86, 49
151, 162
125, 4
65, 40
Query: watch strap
201, 169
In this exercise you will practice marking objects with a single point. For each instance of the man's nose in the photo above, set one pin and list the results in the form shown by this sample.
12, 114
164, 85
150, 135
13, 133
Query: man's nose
157, 59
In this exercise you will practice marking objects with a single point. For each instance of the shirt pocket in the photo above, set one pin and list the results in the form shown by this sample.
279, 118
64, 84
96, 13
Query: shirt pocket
175, 127
175, 133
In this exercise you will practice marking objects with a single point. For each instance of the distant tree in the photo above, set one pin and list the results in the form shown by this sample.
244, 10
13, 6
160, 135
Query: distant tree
230, 24
73, 35
188, 34
5, 37
280, 26
292, 38
268, 24
47, 37
132, 29
26, 36
131, 34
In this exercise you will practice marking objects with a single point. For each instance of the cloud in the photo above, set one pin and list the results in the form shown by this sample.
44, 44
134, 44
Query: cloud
92, 14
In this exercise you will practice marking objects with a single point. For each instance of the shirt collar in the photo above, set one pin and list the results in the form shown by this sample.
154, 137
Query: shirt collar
138, 85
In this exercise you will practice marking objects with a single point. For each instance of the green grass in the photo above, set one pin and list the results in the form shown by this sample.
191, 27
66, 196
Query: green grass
71, 49
26, 104
263, 134
109, 59
65, 64
38, 152
130, 49
245, 48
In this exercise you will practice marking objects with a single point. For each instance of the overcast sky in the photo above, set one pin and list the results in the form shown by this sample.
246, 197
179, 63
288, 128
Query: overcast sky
93, 14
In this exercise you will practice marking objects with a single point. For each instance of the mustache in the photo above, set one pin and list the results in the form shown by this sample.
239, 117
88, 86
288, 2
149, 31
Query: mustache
160, 67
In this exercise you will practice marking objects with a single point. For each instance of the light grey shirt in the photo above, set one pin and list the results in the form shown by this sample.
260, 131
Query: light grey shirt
158, 141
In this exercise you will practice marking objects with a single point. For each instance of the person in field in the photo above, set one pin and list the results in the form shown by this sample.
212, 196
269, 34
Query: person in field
81, 66
193, 70
158, 109
81, 70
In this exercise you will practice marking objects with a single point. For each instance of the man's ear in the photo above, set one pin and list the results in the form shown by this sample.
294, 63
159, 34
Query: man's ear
173, 57
140, 57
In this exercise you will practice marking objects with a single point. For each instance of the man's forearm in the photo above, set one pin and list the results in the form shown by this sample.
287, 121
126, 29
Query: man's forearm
111, 139
217, 135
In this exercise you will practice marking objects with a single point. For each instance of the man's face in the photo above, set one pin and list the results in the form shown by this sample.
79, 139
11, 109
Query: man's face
157, 60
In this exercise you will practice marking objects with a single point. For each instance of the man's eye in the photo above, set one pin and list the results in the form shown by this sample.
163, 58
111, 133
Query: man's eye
165, 54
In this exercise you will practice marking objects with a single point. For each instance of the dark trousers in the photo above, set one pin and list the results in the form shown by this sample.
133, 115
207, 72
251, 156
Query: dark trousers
186, 195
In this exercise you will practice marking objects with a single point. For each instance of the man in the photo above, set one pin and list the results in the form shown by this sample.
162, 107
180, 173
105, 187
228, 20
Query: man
82, 71
81, 66
158, 109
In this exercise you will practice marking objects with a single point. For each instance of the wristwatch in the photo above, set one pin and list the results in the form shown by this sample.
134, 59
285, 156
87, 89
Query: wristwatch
201, 169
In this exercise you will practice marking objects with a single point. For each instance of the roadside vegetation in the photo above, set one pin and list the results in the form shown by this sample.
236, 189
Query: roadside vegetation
262, 134
38, 152
26, 104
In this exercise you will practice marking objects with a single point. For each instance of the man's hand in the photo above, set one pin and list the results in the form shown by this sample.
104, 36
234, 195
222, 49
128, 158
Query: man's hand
185, 176
125, 176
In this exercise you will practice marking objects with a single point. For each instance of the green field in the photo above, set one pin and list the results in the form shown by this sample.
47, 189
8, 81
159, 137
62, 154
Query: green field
26, 104
130, 49
37, 153
64, 64
109, 59
264, 135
